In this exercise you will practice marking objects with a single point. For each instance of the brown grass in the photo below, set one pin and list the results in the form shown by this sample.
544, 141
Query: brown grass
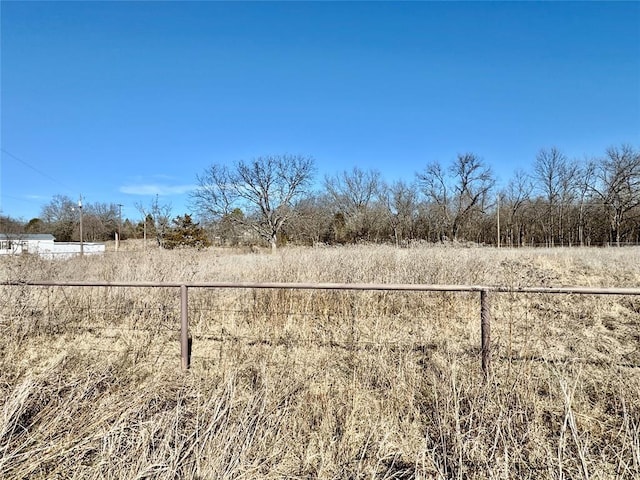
312, 384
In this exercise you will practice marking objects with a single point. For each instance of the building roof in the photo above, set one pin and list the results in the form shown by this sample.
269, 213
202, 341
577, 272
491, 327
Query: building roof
26, 236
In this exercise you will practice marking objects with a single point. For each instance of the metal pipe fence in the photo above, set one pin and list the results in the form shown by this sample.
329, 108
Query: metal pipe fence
484, 290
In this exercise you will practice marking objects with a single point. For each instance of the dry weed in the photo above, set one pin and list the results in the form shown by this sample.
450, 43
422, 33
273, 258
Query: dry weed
321, 384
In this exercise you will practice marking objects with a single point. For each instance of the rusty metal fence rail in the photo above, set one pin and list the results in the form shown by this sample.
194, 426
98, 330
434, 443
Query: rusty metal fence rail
484, 290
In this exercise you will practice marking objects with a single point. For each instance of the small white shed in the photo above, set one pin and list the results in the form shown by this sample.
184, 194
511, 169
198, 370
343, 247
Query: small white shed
43, 244
18, 243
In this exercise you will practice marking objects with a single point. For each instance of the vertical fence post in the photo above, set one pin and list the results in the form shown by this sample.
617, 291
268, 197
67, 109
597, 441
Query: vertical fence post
485, 332
184, 329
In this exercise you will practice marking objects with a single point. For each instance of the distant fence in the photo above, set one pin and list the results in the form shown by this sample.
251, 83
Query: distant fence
485, 310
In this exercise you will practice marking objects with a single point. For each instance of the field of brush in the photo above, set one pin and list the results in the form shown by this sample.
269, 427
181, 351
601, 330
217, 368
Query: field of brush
321, 384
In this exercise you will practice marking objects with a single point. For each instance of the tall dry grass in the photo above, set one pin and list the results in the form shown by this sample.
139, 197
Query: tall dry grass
315, 384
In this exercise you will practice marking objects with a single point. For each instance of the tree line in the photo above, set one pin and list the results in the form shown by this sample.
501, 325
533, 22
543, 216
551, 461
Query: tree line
559, 202
276, 200
61, 217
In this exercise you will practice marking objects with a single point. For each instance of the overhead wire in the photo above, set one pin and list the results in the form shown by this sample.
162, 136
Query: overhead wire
45, 175
57, 182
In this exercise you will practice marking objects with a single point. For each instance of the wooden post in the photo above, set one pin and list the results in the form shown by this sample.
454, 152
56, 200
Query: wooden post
485, 332
498, 214
81, 238
185, 344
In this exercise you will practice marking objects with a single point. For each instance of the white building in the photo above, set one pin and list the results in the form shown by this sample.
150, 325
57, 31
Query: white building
43, 244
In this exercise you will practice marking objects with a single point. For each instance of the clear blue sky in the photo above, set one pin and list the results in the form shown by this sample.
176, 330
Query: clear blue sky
118, 101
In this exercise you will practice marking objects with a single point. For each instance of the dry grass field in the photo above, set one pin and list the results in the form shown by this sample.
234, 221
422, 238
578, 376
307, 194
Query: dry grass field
321, 384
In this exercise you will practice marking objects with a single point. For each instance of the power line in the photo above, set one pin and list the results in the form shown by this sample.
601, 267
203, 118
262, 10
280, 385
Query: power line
27, 164
20, 199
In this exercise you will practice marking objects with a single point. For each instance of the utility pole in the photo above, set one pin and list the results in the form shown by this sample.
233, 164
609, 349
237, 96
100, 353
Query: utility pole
81, 240
498, 211
119, 225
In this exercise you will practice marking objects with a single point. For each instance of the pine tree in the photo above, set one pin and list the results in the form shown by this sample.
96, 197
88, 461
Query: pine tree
186, 233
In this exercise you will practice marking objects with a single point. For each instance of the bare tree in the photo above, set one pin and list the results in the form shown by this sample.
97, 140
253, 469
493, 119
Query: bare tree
547, 169
474, 182
100, 221
585, 182
401, 205
61, 215
517, 195
10, 225
617, 184
435, 184
353, 194
312, 220
264, 188
461, 192
557, 180
159, 215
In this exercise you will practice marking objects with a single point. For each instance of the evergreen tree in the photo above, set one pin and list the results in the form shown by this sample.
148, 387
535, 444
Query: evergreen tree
186, 233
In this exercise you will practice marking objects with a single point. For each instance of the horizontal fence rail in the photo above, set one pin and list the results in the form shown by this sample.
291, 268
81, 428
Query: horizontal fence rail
485, 312
339, 286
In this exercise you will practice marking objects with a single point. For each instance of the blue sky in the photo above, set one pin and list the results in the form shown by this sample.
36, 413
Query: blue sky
118, 101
